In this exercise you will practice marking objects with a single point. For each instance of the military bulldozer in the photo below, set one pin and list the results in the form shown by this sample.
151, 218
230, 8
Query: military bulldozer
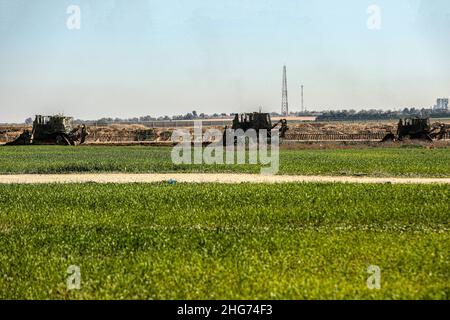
52, 130
416, 128
256, 121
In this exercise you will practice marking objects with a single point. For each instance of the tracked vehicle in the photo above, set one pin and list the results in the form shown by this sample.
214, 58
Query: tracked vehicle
52, 130
416, 128
256, 121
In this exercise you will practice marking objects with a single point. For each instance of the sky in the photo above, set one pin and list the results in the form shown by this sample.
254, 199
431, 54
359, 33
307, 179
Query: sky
131, 58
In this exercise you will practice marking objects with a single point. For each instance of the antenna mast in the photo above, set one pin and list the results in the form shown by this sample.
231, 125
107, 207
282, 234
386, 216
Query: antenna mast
303, 106
284, 98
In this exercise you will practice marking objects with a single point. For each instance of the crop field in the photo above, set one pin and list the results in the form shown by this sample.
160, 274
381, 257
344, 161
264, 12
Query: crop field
200, 241
406, 161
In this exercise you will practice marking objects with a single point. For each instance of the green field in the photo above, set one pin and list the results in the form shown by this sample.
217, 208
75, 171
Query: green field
411, 161
190, 241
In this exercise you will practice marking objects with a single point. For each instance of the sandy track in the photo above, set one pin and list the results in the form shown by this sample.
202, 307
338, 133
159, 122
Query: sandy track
202, 178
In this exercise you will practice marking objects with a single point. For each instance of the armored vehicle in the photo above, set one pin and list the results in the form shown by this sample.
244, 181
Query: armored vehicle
416, 128
52, 130
257, 121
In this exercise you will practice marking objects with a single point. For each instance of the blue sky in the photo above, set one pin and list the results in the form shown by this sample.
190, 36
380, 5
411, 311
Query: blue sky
140, 57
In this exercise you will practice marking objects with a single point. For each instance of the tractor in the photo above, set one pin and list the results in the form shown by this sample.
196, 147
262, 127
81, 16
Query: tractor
52, 130
256, 121
416, 128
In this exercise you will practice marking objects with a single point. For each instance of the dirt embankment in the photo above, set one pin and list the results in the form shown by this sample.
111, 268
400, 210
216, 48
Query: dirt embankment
139, 133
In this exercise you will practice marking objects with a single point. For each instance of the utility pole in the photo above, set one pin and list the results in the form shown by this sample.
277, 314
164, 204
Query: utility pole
284, 95
303, 107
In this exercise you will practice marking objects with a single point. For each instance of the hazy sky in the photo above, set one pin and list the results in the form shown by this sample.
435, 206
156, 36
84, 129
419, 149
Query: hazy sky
139, 57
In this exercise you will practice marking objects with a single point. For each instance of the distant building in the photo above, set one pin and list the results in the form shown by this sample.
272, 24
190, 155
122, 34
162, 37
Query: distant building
441, 104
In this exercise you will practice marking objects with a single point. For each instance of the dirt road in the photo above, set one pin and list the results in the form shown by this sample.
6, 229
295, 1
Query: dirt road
202, 178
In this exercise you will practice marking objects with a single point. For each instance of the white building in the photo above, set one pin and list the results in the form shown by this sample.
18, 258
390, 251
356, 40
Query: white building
441, 104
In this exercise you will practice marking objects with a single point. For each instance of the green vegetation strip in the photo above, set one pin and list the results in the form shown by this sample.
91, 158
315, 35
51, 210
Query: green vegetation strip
191, 241
382, 162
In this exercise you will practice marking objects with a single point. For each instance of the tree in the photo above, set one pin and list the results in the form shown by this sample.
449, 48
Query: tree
146, 119
28, 121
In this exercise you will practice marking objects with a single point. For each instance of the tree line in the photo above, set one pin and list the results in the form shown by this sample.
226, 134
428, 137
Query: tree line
330, 115
352, 115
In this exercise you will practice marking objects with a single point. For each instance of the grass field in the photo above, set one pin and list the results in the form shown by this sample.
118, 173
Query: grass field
412, 162
188, 241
